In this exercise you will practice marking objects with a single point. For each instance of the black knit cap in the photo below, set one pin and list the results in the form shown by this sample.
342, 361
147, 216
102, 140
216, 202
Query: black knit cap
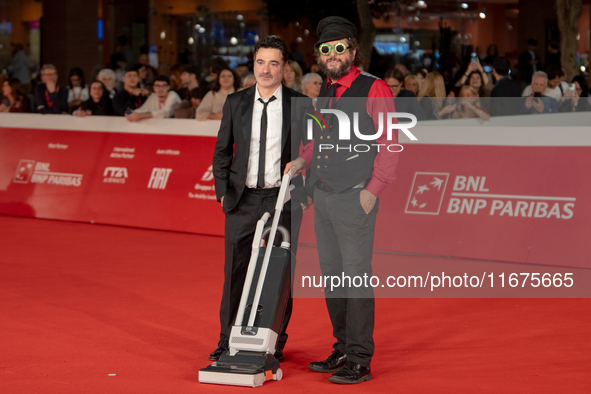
334, 28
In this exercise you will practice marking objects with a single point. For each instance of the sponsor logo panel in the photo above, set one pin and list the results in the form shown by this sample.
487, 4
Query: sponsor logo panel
159, 178
469, 195
205, 188
115, 175
29, 171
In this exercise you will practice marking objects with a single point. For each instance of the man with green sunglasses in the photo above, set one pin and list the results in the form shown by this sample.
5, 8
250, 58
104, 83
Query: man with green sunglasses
346, 185
339, 48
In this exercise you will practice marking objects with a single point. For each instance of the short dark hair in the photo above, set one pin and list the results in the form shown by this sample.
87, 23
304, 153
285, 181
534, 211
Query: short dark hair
532, 42
396, 74
554, 71
191, 70
237, 80
135, 67
273, 42
198, 93
162, 78
217, 64
501, 65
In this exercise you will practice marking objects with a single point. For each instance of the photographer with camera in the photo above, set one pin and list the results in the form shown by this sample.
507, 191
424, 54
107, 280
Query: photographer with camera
575, 98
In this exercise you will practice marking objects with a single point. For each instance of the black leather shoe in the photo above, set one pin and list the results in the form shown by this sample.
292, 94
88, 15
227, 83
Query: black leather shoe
279, 355
351, 373
333, 363
222, 347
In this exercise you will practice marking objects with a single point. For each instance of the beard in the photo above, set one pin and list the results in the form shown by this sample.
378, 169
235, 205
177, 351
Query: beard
339, 72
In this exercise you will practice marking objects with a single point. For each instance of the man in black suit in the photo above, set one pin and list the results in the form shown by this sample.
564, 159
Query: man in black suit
529, 62
255, 120
502, 103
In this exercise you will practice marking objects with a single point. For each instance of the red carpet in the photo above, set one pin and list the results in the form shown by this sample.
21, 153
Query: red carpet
79, 302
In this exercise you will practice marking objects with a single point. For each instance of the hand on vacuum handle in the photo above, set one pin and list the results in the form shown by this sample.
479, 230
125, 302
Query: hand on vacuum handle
284, 192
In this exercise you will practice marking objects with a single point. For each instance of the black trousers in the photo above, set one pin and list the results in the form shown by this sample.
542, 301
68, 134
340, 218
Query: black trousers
345, 234
240, 226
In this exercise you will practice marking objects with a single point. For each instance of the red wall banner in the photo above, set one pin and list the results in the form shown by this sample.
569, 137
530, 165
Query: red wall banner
153, 181
463, 190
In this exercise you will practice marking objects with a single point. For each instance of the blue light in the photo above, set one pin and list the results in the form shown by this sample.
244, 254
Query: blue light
100, 29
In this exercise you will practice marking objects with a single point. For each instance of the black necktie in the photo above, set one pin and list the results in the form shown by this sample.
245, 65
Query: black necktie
332, 92
263, 143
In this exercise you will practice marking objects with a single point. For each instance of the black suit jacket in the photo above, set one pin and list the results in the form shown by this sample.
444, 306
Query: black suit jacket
500, 104
230, 159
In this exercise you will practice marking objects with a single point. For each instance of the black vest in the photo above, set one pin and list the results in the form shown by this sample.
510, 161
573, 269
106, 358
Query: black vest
343, 166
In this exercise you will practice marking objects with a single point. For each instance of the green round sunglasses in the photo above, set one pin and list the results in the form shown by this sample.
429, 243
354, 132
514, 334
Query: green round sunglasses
339, 48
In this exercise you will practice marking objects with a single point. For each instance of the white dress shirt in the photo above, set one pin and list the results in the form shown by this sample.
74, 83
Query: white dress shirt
273, 150
158, 110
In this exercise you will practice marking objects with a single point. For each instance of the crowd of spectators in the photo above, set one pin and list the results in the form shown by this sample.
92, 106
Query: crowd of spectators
479, 90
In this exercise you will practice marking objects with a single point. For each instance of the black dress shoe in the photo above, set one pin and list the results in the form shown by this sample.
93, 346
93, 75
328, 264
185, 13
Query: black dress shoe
351, 373
332, 364
279, 355
222, 347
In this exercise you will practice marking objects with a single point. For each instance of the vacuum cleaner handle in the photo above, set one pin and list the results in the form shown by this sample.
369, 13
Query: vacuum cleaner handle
284, 233
283, 197
254, 255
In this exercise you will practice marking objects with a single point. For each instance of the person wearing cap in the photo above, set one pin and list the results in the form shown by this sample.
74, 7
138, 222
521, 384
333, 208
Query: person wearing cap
346, 185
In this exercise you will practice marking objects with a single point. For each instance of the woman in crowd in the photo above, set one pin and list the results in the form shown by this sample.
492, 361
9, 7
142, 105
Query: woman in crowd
311, 84
469, 105
476, 77
433, 97
576, 100
248, 81
226, 82
413, 83
292, 75
107, 77
404, 100
78, 91
99, 102
13, 97
175, 76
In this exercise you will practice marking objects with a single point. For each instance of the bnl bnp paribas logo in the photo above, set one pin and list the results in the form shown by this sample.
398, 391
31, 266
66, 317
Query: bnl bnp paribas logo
345, 130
